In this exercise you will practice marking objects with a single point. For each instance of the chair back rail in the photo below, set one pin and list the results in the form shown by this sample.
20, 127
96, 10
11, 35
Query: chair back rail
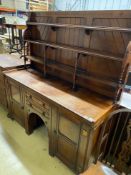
115, 141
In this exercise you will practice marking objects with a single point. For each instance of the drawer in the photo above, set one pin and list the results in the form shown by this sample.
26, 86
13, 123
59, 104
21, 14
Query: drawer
39, 105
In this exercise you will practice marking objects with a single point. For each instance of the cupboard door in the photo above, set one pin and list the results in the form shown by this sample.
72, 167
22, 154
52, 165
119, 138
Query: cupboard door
69, 129
68, 134
17, 106
3, 99
15, 93
18, 113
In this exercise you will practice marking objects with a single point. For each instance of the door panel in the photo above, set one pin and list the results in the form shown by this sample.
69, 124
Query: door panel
15, 91
68, 134
67, 151
18, 113
69, 129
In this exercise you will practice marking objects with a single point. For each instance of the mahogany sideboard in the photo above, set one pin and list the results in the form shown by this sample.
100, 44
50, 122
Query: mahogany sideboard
79, 67
7, 62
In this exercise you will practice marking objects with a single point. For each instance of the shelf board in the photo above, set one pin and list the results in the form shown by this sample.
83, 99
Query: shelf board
80, 73
70, 70
36, 59
99, 28
77, 49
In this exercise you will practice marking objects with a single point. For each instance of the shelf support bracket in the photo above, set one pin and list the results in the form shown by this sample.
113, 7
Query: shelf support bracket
25, 55
75, 70
45, 49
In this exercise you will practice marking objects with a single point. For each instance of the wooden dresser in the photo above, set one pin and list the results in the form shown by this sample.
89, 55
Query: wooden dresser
79, 66
7, 62
72, 118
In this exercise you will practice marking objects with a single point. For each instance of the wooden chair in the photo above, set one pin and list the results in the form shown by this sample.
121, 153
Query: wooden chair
114, 147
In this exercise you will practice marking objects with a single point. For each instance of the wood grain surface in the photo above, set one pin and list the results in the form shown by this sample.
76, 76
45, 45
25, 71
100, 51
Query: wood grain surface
86, 104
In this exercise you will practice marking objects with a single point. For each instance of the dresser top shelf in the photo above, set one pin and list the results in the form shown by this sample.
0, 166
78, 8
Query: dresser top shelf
99, 28
59, 92
78, 50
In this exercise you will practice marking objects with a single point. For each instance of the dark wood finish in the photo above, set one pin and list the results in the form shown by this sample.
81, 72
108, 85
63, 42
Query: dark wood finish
86, 51
114, 146
7, 62
99, 38
100, 28
116, 152
56, 90
72, 118
75, 49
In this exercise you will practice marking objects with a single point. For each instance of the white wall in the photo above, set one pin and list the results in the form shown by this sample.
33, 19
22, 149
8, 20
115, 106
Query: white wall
14, 4
7, 3
92, 4
20, 4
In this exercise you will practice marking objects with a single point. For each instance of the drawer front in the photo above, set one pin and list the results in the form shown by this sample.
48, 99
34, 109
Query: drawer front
39, 105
